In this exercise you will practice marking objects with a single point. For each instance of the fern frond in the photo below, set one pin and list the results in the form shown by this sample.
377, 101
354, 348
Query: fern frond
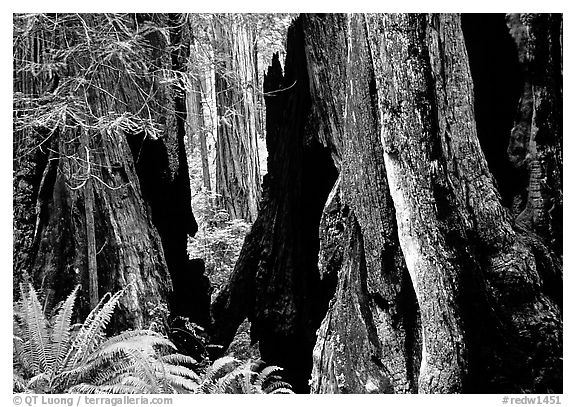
220, 368
60, 338
142, 340
132, 381
175, 370
207, 388
19, 385
238, 381
281, 390
38, 383
81, 335
268, 373
21, 354
35, 328
278, 387
229, 375
87, 388
87, 338
175, 377
98, 370
144, 368
178, 359
179, 383
128, 335
114, 372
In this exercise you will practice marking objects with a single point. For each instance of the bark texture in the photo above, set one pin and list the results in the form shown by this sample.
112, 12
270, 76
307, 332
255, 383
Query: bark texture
195, 108
345, 103
139, 183
536, 139
237, 165
438, 289
275, 282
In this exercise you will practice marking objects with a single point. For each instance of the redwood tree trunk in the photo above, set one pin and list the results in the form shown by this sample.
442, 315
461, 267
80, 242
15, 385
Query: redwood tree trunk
140, 240
536, 139
437, 289
275, 282
196, 122
237, 166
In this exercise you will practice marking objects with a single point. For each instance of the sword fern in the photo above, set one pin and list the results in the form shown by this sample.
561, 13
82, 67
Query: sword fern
49, 358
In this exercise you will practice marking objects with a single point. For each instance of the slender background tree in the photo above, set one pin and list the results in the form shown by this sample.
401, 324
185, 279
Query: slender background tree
237, 166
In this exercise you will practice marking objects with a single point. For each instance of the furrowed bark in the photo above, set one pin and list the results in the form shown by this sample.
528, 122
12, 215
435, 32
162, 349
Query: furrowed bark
536, 138
237, 166
196, 122
276, 281
345, 102
437, 290
347, 353
128, 212
90, 234
430, 231
445, 212
476, 203
518, 269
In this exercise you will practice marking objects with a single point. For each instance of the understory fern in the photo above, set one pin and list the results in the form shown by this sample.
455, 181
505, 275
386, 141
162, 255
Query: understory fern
230, 375
51, 356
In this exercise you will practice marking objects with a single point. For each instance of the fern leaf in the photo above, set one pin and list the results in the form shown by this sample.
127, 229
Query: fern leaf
207, 388
278, 386
130, 334
19, 385
133, 381
89, 333
174, 370
114, 372
36, 327
268, 373
281, 390
101, 320
75, 350
87, 388
60, 338
38, 383
145, 369
21, 354
92, 369
220, 368
83, 388
238, 381
142, 340
178, 359
180, 383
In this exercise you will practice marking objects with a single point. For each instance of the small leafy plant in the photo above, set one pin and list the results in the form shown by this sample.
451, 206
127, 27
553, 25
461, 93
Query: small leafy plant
218, 241
54, 356
230, 375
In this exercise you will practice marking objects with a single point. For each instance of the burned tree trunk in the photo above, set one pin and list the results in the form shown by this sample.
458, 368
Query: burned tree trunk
237, 165
162, 168
376, 303
536, 139
437, 290
275, 282
140, 239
